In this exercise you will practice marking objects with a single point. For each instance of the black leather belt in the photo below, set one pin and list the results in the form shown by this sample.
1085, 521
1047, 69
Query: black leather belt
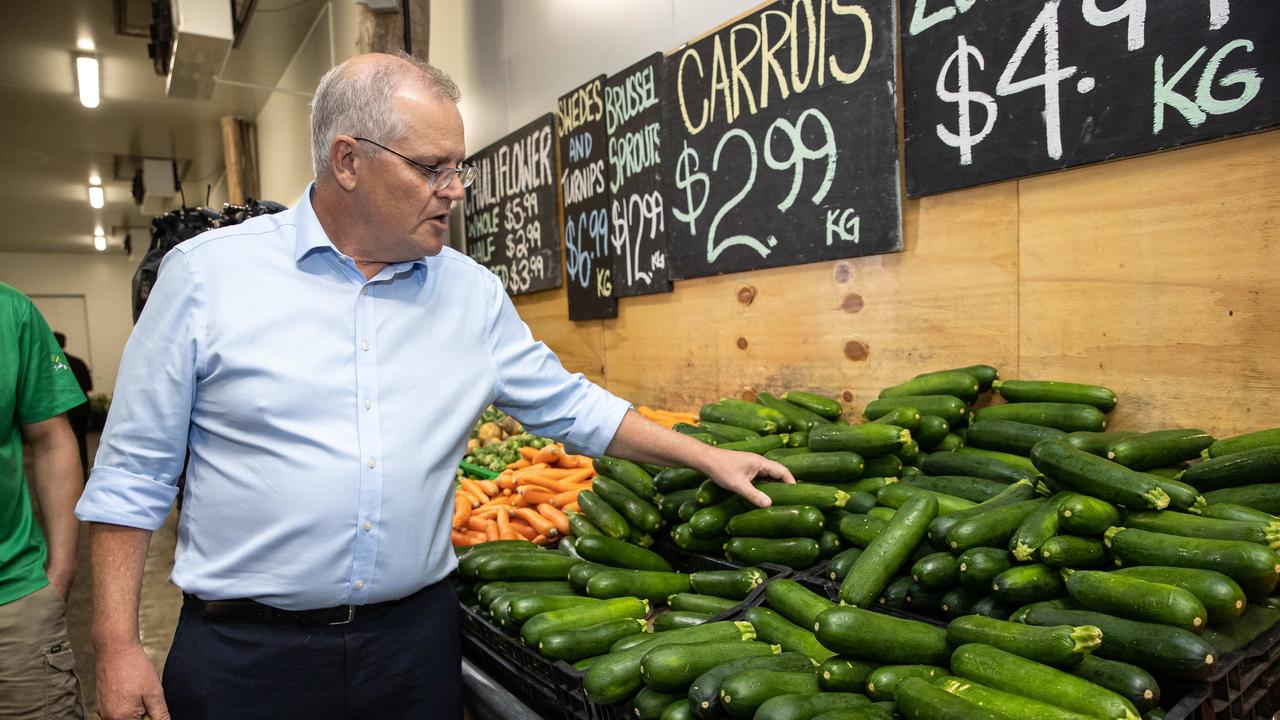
256, 613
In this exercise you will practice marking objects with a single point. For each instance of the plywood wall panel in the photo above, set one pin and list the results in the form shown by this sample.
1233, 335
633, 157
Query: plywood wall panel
579, 345
1160, 277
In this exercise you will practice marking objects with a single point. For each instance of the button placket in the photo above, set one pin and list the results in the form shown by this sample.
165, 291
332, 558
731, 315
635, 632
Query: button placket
369, 429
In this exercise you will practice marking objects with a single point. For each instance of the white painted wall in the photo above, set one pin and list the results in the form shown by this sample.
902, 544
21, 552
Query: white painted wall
105, 281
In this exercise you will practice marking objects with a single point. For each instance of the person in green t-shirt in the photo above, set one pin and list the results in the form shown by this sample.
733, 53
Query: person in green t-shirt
37, 387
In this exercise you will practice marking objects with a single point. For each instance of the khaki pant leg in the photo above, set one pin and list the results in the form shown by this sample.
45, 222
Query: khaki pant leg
37, 669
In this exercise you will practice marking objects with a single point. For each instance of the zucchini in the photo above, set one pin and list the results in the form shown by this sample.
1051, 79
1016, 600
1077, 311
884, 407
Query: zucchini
874, 636
1034, 530
957, 602
872, 484
1067, 417
800, 418
952, 441
669, 504
1086, 515
574, 644
887, 553
1174, 523
844, 675
753, 418
1159, 448
678, 619
1096, 443
1240, 443
947, 407
838, 566
883, 512
731, 584
523, 606
931, 432
1129, 681
1173, 472
779, 521
882, 683
1136, 599
648, 704
1005, 705
954, 463
711, 521
538, 626
709, 493
990, 607
984, 374
1061, 646
1247, 467
631, 475
581, 574
804, 706
468, 565
866, 440
923, 602
704, 692
1099, 477
1072, 551
1181, 495
795, 552
787, 452
859, 502
1162, 650
1027, 584
937, 571
859, 529
517, 566
1019, 491
1049, 391
957, 384
897, 494
1231, 511
673, 668
829, 543
1253, 566
919, 700
895, 595
796, 439
619, 554
701, 603
1261, 496
970, 488
992, 528
673, 479
904, 417
648, 584
603, 515
682, 535
744, 692
885, 466
824, 467
1220, 595
1015, 461
772, 627
616, 677
1063, 603
822, 405
488, 592
728, 433
979, 566
822, 497
678, 710
1003, 670
1009, 436
795, 602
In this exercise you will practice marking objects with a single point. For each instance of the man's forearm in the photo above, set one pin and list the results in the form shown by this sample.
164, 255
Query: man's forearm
57, 480
643, 440
117, 554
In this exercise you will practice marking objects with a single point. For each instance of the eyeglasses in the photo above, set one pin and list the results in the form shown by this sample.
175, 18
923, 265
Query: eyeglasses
438, 177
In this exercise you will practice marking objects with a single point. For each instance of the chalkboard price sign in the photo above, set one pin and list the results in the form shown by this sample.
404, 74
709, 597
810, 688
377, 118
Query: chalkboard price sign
998, 90
585, 189
633, 119
510, 210
781, 139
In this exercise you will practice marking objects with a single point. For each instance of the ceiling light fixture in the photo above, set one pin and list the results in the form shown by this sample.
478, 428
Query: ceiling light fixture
86, 44
97, 198
95, 179
87, 78
99, 243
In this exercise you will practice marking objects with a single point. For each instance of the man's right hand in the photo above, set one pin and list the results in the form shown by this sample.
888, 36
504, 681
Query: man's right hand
128, 687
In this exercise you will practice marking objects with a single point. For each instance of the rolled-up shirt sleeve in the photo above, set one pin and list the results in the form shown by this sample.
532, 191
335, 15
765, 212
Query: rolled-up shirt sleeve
134, 479
534, 388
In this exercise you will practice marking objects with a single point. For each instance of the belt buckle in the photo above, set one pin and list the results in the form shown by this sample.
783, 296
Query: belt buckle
351, 614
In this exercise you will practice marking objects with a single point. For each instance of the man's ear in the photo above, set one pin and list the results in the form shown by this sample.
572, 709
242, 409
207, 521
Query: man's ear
342, 161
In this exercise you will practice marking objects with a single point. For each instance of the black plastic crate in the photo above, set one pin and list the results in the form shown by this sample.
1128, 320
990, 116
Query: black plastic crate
1247, 685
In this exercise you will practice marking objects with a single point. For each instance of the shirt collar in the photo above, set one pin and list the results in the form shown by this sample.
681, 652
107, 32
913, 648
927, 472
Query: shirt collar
309, 235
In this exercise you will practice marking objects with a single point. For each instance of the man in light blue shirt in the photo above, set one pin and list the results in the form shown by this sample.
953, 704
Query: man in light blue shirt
324, 366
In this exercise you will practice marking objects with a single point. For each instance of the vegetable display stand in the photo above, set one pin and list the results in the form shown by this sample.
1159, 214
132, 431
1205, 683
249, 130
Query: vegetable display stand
1248, 684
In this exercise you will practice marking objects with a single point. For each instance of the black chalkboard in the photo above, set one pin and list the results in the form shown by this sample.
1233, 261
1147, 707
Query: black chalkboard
584, 187
633, 119
510, 210
781, 140
998, 90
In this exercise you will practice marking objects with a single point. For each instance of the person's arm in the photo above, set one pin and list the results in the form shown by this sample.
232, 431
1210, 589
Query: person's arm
128, 687
56, 480
643, 440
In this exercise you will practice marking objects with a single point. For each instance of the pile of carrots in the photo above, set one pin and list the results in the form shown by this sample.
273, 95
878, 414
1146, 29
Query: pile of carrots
526, 501
667, 418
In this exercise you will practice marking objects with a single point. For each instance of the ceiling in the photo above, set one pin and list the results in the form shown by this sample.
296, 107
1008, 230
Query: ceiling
55, 144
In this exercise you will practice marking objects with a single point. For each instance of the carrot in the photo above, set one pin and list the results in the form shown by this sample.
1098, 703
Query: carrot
561, 499
489, 487
571, 507
539, 523
567, 461
475, 522
506, 480
528, 453
548, 454
533, 469
470, 488
504, 525
461, 509
459, 539
504, 500
583, 474
557, 518
491, 530
541, 540
533, 495
523, 529
519, 464
555, 473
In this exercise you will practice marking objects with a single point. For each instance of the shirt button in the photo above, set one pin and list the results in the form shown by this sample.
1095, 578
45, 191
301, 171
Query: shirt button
368, 404
372, 463
368, 526
364, 345
364, 291
359, 584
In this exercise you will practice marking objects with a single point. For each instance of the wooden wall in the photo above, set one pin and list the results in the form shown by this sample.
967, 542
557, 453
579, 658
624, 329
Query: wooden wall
1157, 276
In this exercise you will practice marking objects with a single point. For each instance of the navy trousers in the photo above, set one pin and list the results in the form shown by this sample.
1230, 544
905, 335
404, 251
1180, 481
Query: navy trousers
398, 662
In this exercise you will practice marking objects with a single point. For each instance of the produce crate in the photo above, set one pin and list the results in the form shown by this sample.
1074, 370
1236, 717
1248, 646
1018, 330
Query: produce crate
1247, 685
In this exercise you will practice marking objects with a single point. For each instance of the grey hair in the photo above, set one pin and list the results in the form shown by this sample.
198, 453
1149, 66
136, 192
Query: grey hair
361, 102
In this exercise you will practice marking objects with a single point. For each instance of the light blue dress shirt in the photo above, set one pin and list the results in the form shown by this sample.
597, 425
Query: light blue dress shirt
325, 414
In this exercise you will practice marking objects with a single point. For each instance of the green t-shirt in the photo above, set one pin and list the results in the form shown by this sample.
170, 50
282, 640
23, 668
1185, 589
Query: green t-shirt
35, 384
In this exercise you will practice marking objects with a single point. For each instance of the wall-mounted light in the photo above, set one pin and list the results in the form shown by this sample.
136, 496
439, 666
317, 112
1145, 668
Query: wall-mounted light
99, 240
97, 198
86, 44
87, 79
